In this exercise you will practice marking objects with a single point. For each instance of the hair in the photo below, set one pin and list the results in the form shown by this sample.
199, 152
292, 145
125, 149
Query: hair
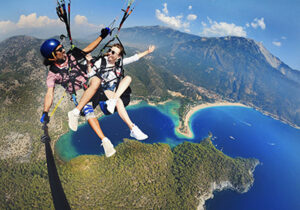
120, 47
46, 62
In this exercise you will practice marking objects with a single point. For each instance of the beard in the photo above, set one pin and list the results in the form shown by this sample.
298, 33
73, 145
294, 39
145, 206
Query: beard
61, 60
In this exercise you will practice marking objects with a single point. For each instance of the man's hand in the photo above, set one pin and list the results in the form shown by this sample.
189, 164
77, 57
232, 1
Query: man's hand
104, 32
45, 118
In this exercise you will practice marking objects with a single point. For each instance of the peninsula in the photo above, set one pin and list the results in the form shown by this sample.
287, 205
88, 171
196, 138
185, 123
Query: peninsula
144, 176
184, 127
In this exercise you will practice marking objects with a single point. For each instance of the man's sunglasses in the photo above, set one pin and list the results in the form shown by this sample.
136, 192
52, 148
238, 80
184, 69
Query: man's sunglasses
112, 52
60, 49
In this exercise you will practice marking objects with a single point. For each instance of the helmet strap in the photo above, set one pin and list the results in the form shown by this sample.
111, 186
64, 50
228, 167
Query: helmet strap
54, 57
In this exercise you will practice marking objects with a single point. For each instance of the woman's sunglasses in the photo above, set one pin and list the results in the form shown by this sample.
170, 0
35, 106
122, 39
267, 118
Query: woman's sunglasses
112, 52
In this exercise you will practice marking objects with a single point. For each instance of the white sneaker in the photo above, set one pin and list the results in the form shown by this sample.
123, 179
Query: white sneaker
108, 147
111, 105
137, 133
73, 120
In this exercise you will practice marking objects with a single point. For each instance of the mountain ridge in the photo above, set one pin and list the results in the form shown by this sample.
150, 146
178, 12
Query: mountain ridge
237, 68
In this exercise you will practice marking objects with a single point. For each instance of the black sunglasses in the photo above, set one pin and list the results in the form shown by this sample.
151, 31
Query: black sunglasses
60, 49
112, 52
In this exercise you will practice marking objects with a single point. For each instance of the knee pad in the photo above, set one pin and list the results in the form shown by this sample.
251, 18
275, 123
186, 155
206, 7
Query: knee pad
88, 111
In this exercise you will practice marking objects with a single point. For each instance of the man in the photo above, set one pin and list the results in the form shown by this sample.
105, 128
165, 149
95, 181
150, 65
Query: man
68, 72
108, 72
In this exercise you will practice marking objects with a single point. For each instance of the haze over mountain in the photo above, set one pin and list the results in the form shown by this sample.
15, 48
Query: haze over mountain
206, 69
236, 68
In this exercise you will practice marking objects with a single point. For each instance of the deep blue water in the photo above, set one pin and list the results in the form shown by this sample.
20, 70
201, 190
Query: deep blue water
237, 131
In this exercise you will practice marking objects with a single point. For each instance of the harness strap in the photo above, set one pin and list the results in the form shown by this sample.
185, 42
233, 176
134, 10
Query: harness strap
103, 69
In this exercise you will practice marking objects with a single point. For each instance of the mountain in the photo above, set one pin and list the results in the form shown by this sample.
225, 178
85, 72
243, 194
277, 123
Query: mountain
191, 68
236, 68
161, 36
23, 87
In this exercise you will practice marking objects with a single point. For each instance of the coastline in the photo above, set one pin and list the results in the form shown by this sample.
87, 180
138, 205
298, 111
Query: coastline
185, 128
225, 185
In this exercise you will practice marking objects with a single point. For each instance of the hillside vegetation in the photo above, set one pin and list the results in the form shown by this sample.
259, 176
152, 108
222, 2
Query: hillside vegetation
140, 175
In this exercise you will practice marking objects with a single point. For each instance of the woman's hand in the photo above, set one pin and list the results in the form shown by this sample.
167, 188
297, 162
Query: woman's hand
151, 48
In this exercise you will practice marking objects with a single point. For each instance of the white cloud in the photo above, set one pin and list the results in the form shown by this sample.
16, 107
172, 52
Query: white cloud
191, 17
174, 21
44, 27
165, 9
277, 44
27, 22
80, 19
32, 21
283, 37
187, 30
31, 24
171, 21
247, 25
222, 29
259, 23
6, 26
190, 7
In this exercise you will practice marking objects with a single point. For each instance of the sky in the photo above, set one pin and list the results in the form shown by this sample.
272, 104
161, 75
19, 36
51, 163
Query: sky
275, 23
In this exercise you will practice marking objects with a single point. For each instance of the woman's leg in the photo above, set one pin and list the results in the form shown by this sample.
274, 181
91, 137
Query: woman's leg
123, 114
135, 132
123, 85
121, 109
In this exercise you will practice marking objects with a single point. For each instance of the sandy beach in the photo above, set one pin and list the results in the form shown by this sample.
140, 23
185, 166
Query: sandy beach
186, 129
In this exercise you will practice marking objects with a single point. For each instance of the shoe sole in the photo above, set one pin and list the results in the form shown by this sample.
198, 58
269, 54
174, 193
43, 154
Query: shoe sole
71, 127
111, 154
139, 139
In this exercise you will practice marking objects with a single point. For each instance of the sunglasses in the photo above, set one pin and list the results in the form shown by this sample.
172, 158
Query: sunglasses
112, 52
60, 49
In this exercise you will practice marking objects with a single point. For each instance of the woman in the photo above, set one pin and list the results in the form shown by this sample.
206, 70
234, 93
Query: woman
108, 73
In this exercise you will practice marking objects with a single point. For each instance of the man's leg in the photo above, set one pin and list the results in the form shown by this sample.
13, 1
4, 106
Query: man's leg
86, 97
94, 123
89, 93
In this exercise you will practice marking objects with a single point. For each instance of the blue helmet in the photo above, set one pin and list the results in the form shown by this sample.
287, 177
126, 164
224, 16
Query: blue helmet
48, 47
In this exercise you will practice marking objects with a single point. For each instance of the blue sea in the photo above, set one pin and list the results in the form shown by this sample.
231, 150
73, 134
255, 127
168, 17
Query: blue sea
237, 131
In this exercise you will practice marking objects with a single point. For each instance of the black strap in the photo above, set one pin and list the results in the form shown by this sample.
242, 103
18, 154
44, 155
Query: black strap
72, 74
103, 68
58, 195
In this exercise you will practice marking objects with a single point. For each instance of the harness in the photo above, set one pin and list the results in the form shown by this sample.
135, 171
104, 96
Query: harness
104, 72
72, 72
